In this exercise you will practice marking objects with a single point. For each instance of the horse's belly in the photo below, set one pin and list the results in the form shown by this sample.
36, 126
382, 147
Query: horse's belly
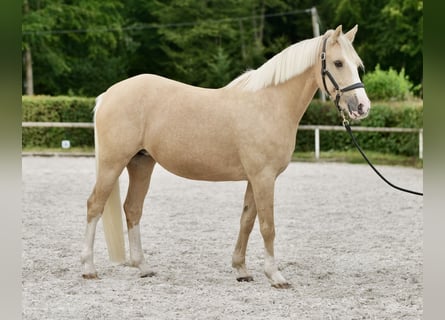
202, 168
198, 160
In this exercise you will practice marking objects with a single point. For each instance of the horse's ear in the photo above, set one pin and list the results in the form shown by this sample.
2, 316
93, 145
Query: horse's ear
337, 33
350, 35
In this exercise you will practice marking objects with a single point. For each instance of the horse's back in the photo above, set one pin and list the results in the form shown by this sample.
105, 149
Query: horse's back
188, 130
137, 99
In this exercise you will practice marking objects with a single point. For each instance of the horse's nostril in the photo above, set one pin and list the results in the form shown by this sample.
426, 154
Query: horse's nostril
360, 108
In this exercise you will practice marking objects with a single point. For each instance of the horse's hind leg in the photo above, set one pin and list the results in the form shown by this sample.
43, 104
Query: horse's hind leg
246, 224
105, 181
139, 169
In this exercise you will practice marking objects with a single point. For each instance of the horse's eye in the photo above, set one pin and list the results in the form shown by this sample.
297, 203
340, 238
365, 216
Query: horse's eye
338, 63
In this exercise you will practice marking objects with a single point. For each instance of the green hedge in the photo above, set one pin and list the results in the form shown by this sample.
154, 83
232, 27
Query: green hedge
78, 109
382, 114
57, 109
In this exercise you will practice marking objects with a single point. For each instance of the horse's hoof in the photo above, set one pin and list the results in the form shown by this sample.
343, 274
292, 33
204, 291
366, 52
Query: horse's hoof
284, 285
148, 274
245, 279
90, 276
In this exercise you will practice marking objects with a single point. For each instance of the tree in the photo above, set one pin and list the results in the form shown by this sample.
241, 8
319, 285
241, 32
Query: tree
82, 47
391, 32
405, 20
40, 16
190, 35
77, 47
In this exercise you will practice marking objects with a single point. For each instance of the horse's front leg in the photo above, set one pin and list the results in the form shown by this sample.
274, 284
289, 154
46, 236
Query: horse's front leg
246, 224
263, 191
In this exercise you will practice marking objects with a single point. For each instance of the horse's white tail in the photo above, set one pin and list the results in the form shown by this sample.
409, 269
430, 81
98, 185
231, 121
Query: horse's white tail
112, 215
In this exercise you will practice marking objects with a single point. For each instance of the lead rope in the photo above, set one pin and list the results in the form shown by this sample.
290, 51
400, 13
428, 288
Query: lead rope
354, 140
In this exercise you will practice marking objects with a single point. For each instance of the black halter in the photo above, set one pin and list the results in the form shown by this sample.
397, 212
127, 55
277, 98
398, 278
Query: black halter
325, 72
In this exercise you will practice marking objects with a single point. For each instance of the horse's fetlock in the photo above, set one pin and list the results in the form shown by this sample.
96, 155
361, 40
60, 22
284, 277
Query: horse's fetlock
238, 261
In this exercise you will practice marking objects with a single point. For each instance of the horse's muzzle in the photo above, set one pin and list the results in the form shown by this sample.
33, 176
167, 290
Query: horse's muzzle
358, 107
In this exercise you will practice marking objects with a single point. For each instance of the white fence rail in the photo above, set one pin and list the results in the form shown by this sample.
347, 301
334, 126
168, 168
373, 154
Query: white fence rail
316, 128
57, 125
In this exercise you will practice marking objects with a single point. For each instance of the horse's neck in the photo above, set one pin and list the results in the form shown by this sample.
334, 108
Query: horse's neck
295, 94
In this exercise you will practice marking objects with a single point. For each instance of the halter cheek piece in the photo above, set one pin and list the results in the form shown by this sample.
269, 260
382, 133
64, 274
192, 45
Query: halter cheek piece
325, 72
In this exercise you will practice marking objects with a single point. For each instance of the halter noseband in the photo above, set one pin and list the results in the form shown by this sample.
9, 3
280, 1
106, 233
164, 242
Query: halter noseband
325, 72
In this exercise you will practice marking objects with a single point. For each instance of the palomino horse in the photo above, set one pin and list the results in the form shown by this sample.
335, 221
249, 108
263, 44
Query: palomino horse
243, 131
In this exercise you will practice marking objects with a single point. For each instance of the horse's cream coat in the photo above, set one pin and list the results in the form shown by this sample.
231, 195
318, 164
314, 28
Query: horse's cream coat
244, 131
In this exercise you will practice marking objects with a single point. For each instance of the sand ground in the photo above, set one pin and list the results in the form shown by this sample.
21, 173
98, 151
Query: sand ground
350, 246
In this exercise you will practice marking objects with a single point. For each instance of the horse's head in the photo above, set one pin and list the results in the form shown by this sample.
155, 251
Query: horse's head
339, 76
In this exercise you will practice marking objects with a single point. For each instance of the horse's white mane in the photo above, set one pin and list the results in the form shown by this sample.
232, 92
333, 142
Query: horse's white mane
290, 62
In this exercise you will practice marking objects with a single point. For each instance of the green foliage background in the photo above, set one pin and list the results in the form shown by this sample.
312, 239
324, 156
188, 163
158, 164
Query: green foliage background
383, 114
82, 47
387, 85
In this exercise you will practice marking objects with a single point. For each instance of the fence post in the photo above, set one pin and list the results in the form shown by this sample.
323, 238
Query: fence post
317, 143
421, 144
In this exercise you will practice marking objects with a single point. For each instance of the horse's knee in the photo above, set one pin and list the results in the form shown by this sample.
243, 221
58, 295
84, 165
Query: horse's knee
267, 231
248, 222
